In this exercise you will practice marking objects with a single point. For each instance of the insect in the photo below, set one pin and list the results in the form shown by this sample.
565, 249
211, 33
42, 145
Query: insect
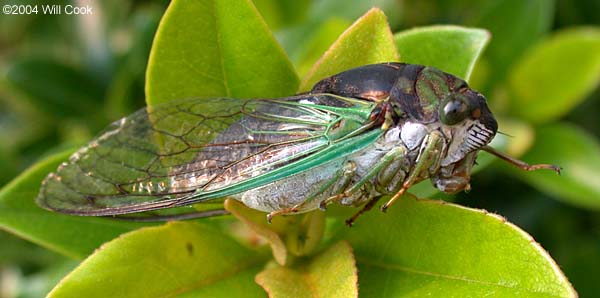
365, 133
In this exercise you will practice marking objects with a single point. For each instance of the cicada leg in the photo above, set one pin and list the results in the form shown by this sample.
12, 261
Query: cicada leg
428, 155
385, 161
390, 179
520, 164
339, 183
368, 206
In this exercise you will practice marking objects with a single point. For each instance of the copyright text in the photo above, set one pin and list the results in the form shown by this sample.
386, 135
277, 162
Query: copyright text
46, 9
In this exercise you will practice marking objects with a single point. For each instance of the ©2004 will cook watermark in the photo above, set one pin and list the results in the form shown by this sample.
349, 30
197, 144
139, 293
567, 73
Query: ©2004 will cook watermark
47, 9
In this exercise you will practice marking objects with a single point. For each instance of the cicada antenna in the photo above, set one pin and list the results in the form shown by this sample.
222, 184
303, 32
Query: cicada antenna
505, 134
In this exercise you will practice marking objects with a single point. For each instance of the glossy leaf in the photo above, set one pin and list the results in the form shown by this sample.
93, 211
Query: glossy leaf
557, 74
331, 273
450, 48
73, 236
176, 259
369, 40
432, 248
216, 48
578, 153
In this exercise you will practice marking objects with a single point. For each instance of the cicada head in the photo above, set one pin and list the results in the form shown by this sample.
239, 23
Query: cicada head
465, 118
444, 102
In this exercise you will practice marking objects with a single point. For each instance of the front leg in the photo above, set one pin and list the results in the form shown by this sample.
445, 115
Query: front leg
428, 157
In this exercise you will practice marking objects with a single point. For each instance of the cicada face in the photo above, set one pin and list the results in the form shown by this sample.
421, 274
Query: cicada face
446, 103
469, 125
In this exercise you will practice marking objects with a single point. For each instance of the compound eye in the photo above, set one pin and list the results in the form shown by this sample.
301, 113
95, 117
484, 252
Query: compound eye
455, 111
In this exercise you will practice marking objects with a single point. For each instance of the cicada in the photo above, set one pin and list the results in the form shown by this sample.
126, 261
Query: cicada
360, 135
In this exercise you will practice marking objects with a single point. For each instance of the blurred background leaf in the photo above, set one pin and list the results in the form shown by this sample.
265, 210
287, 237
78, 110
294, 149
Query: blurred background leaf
579, 155
556, 75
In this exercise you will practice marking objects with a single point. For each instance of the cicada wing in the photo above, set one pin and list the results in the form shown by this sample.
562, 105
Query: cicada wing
207, 209
160, 157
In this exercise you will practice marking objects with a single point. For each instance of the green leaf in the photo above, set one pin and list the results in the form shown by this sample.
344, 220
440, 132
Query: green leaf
452, 49
39, 283
557, 74
353, 9
432, 248
57, 88
319, 41
280, 14
369, 40
216, 48
8, 163
514, 25
15, 250
176, 259
73, 236
332, 273
578, 153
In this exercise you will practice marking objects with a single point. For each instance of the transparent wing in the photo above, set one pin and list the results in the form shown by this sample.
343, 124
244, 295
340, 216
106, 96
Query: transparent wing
160, 157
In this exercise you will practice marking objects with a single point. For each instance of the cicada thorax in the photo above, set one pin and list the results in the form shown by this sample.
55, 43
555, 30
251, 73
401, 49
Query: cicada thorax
409, 91
370, 82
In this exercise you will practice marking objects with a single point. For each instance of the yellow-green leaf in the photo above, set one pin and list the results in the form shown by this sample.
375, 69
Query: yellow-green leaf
332, 273
216, 48
176, 259
369, 40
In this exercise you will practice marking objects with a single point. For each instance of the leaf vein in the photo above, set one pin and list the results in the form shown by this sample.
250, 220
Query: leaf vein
445, 276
